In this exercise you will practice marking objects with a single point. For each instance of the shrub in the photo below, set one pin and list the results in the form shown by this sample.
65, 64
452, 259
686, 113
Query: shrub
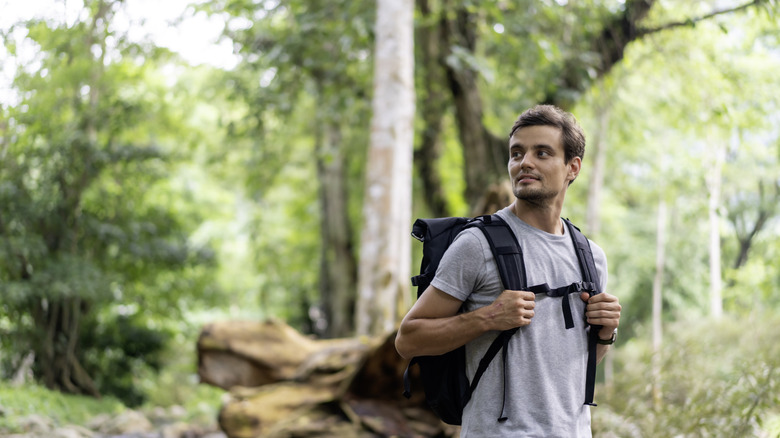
718, 378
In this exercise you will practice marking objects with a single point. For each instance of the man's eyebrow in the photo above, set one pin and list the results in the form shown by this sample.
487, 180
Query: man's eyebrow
535, 146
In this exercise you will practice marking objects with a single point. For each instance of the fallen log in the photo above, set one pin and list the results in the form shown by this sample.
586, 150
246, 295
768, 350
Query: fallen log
284, 384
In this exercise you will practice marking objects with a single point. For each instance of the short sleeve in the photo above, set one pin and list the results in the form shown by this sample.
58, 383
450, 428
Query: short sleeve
462, 268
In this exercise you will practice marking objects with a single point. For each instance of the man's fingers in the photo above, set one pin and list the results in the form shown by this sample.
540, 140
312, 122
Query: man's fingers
602, 309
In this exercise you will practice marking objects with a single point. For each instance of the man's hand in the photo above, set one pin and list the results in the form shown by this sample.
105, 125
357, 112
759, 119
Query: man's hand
603, 309
513, 308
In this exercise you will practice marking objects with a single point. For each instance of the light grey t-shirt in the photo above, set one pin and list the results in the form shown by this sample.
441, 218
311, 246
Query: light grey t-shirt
546, 363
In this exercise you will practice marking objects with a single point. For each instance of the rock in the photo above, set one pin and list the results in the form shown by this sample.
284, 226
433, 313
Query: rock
36, 424
158, 416
177, 412
175, 430
72, 431
97, 422
127, 422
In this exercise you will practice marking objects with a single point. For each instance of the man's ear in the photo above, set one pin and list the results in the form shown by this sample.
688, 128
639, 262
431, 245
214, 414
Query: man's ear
575, 165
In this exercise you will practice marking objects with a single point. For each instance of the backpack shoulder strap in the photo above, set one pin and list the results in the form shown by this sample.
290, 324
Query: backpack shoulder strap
509, 260
585, 256
591, 285
506, 250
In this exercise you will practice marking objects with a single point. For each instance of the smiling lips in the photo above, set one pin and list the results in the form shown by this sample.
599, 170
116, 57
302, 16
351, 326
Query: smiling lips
526, 178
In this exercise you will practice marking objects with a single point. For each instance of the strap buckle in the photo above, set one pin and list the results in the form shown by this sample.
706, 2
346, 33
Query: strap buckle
584, 286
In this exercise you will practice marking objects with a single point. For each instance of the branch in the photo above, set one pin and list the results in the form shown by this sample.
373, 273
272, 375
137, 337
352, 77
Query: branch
692, 21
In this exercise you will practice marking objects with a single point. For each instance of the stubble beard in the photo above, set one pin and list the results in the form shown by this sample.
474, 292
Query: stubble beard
539, 197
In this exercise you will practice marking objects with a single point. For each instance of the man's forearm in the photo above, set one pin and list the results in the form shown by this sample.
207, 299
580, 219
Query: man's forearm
601, 351
434, 336
605, 333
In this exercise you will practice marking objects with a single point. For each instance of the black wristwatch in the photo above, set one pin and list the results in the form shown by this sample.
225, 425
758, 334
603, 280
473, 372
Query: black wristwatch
609, 341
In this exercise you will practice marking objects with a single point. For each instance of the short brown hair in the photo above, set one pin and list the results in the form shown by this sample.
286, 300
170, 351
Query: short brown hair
551, 115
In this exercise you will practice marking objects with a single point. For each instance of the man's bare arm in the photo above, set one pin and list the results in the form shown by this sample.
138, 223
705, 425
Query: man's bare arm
433, 326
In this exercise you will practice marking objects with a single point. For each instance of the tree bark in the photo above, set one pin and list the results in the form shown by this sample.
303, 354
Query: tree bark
484, 155
56, 357
660, 260
284, 384
338, 269
598, 150
385, 251
746, 232
433, 105
714, 183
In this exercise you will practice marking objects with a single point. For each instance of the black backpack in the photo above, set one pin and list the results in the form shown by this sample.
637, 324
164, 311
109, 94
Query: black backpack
447, 388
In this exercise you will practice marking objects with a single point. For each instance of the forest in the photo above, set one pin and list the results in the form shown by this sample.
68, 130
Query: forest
144, 196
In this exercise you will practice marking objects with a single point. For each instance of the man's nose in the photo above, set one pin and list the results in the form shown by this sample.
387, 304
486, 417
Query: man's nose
527, 162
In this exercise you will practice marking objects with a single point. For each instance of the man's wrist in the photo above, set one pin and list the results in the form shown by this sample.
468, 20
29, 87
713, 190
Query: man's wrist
607, 336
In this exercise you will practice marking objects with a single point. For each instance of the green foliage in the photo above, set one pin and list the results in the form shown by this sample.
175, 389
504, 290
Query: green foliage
535, 50
677, 97
149, 192
719, 378
22, 401
93, 219
302, 73
177, 382
118, 350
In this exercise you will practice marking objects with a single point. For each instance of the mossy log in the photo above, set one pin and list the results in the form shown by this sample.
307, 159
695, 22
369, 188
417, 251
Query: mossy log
284, 384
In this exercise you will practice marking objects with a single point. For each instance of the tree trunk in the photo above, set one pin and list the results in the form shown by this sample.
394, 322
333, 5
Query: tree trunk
56, 352
284, 384
484, 155
433, 105
714, 183
338, 270
598, 150
385, 252
660, 259
768, 202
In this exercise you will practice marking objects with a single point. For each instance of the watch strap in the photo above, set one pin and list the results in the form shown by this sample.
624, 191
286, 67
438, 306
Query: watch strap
609, 341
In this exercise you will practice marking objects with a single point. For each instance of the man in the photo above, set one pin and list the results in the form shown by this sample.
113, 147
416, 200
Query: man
465, 304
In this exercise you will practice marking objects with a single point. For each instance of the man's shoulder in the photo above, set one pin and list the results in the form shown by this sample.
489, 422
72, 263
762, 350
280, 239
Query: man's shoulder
470, 237
597, 251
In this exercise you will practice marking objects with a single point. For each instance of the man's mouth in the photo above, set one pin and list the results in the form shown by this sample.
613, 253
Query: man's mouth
526, 178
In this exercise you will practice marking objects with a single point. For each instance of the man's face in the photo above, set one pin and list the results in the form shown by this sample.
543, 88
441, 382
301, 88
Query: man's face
537, 167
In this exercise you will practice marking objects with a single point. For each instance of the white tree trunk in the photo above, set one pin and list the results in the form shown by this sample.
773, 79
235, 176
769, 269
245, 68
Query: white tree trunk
598, 169
385, 245
714, 183
660, 257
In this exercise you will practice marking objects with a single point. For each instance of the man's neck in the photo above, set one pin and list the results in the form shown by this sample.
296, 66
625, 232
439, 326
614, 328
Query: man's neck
545, 218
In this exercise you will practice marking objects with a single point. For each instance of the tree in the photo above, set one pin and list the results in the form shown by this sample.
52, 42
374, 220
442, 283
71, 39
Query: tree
552, 54
475, 65
658, 279
89, 234
302, 82
385, 248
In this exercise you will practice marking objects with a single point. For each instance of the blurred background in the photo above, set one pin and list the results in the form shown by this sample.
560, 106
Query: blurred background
165, 165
